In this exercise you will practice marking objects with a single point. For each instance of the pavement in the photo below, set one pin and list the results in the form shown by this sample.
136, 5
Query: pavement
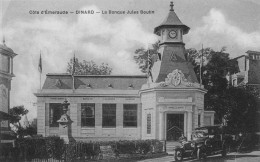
231, 157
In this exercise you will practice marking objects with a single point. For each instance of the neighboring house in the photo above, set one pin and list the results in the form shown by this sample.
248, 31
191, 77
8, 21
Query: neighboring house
114, 107
6, 75
249, 74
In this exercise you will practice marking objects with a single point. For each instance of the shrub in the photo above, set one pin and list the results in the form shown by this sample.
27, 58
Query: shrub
54, 147
40, 147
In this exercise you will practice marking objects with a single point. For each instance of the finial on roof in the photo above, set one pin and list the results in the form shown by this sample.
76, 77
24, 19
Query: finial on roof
171, 5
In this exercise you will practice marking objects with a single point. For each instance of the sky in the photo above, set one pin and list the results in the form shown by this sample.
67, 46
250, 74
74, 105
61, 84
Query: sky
113, 38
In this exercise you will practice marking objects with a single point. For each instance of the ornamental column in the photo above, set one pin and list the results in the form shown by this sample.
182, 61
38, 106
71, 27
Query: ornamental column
65, 124
202, 118
189, 125
161, 126
11, 66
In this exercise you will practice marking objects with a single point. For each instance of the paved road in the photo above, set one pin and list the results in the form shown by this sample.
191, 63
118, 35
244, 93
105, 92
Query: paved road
232, 157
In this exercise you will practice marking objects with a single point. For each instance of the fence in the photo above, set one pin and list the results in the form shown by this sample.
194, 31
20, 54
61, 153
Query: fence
54, 150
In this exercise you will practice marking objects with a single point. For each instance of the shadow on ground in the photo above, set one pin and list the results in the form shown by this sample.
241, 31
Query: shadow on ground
223, 159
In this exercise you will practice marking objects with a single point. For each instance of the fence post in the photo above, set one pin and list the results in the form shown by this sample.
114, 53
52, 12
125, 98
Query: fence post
65, 155
25, 154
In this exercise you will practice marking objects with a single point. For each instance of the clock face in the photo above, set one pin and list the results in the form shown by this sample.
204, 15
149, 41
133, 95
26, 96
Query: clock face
172, 34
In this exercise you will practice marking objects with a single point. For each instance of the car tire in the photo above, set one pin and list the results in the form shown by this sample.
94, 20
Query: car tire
199, 154
178, 156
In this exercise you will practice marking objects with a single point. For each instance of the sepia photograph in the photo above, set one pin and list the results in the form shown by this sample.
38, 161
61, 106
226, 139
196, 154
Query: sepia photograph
129, 81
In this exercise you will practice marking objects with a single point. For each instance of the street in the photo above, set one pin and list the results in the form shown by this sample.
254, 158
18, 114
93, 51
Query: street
232, 157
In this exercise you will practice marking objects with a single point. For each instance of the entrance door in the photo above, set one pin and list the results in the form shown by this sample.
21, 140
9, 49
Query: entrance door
175, 126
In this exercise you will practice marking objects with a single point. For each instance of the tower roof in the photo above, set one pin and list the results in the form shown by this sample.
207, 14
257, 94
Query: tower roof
172, 20
6, 50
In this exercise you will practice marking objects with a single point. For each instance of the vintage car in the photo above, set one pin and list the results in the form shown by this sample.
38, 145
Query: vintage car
205, 141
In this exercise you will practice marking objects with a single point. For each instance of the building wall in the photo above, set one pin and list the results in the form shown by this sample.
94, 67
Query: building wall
159, 103
90, 133
5, 86
148, 101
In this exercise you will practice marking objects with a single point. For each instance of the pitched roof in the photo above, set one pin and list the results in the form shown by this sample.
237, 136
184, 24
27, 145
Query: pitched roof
6, 50
168, 64
253, 52
172, 20
116, 82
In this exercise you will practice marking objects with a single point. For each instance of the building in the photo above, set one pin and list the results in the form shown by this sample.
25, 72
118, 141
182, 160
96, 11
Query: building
248, 66
248, 74
6, 75
114, 107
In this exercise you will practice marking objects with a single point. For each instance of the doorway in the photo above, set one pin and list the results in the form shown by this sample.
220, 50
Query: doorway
175, 126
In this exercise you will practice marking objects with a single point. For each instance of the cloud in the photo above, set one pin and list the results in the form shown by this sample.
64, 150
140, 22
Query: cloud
92, 37
217, 32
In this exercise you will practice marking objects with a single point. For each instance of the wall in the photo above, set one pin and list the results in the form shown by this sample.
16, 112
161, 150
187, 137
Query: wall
148, 101
159, 103
90, 133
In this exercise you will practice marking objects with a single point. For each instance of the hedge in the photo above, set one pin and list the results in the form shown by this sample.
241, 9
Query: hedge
54, 147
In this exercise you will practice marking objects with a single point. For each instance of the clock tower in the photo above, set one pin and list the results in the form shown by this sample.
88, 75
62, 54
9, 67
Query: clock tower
172, 100
172, 49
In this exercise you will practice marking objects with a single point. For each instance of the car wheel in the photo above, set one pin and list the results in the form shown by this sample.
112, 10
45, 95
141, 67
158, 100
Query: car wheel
178, 155
201, 154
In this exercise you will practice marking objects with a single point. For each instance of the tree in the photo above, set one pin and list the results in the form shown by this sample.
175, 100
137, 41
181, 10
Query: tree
241, 114
236, 105
194, 57
17, 111
88, 68
141, 56
20, 131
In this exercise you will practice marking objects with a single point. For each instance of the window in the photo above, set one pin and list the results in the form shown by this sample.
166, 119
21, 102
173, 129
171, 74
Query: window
55, 114
130, 115
4, 63
109, 115
87, 115
149, 123
199, 120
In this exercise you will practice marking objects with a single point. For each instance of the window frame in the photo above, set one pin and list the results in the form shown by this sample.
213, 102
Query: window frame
125, 106
5, 63
199, 122
149, 123
52, 123
88, 105
105, 123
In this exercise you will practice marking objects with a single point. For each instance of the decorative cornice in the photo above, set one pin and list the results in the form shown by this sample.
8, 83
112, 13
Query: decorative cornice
171, 43
186, 100
177, 79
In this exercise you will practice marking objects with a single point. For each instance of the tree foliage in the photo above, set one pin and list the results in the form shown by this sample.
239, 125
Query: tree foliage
88, 68
17, 111
21, 131
237, 105
141, 56
241, 111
